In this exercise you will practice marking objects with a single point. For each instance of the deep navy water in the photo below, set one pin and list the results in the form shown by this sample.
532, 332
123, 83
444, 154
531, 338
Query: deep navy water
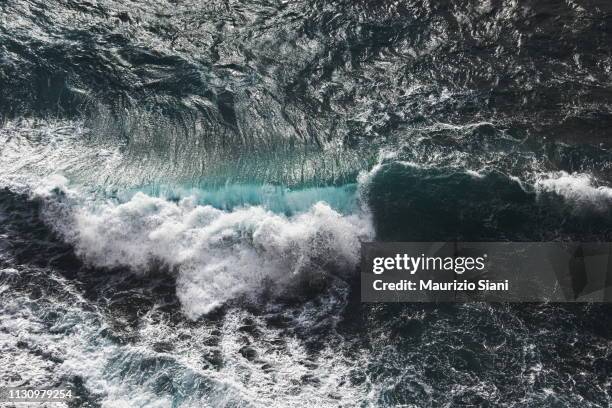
184, 187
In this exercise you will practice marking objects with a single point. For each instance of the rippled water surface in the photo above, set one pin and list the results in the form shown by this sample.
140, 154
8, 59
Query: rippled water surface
184, 187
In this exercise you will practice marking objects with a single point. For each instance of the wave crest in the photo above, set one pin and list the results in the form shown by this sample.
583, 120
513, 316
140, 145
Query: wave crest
578, 188
219, 255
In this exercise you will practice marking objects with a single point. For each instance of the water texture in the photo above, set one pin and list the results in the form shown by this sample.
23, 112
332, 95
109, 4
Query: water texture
184, 187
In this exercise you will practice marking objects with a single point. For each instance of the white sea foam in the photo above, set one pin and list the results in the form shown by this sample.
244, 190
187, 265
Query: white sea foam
578, 188
217, 254
132, 374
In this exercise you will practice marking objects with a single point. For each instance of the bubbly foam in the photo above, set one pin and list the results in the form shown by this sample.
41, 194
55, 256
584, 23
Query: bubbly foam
133, 374
578, 188
218, 254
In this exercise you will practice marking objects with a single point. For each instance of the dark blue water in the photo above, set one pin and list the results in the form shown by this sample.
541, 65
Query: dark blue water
185, 185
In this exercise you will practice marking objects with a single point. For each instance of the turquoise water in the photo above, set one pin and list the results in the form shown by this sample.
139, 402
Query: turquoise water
278, 199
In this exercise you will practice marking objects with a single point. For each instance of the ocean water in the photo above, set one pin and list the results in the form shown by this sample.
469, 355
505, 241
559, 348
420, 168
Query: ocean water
184, 187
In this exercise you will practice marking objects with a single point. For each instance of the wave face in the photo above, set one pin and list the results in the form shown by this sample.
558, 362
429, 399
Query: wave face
184, 188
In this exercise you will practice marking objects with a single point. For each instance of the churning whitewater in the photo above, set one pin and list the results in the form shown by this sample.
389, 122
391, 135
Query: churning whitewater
184, 189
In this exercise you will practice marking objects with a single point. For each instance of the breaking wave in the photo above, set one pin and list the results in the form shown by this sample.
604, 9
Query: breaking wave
579, 188
218, 254
184, 186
